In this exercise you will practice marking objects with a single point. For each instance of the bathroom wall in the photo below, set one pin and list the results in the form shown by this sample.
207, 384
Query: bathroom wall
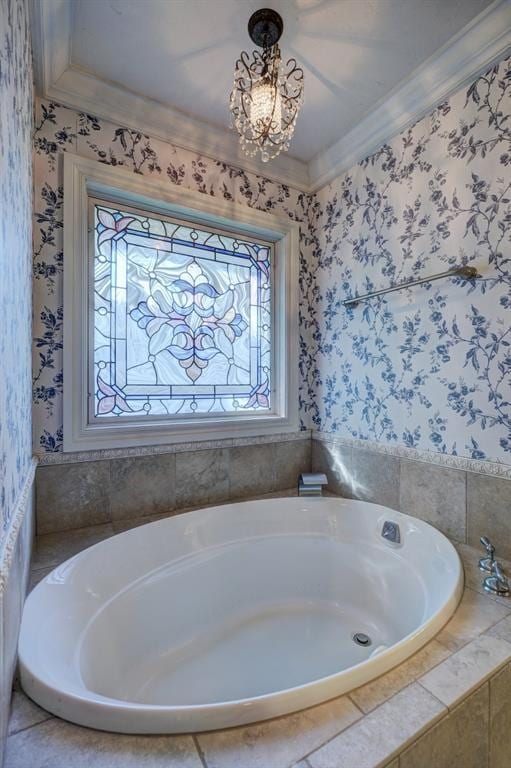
74, 490
16, 466
412, 391
408, 395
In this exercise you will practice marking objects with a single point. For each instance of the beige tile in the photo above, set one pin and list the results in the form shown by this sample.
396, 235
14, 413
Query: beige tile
459, 740
278, 743
142, 485
489, 511
24, 713
377, 691
475, 614
501, 629
435, 494
467, 669
290, 459
202, 477
375, 477
500, 719
57, 744
336, 462
251, 470
51, 549
72, 496
378, 737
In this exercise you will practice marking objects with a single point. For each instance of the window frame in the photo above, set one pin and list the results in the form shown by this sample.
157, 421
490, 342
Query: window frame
86, 179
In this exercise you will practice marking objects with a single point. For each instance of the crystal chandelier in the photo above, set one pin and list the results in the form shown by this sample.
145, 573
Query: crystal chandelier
266, 96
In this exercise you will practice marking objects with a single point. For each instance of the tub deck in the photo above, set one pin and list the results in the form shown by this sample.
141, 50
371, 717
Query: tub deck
397, 720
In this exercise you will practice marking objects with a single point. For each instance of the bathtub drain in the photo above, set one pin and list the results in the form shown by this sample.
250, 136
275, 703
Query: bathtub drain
362, 639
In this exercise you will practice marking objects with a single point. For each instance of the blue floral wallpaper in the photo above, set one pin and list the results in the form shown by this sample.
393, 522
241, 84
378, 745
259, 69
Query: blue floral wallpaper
60, 130
15, 254
428, 367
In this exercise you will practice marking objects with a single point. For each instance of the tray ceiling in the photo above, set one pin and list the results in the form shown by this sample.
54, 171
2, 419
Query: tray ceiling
181, 54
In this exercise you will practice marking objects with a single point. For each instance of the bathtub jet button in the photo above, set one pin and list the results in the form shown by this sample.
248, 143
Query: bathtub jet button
360, 638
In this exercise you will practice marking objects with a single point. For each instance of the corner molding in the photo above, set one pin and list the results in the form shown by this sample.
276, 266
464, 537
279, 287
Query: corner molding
15, 523
479, 45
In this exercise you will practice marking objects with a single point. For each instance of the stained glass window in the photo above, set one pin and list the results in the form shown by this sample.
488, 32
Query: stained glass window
181, 317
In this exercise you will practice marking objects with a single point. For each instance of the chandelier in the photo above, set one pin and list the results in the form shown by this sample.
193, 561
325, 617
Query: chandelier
266, 96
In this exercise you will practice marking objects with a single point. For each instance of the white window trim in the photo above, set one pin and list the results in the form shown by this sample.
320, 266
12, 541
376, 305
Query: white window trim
84, 178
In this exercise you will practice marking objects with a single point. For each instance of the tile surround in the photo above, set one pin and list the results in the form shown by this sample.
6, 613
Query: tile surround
116, 490
466, 669
475, 614
374, 693
280, 742
375, 477
202, 477
489, 511
463, 504
57, 744
500, 719
72, 496
435, 494
141, 486
336, 463
460, 740
380, 735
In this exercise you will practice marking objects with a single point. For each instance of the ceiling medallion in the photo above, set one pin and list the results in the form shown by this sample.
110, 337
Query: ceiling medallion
266, 95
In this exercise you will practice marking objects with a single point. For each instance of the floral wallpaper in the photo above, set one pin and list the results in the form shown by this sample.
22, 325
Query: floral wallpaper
428, 367
60, 130
15, 254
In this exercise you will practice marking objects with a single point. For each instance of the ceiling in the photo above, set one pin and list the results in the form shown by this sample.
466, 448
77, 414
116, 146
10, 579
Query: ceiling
166, 66
182, 52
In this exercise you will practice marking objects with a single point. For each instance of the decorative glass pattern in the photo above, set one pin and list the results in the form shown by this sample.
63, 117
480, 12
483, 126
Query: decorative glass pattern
181, 318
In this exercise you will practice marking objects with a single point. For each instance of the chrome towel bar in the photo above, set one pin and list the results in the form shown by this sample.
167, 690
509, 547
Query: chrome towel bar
469, 273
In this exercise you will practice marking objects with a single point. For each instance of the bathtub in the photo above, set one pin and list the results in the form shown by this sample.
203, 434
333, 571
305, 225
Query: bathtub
233, 614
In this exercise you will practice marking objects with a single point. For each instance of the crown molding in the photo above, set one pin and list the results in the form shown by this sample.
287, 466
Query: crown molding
485, 40
478, 46
58, 79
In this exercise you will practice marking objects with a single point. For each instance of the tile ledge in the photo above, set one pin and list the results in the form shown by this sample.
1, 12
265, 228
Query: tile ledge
104, 454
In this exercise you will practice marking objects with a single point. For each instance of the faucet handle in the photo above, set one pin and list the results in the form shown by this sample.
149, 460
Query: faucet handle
497, 583
485, 563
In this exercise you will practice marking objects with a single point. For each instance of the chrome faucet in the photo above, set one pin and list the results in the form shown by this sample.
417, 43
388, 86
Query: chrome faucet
485, 562
497, 583
311, 483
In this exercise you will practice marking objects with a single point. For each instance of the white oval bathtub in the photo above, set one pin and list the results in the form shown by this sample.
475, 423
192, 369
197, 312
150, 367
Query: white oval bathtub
233, 614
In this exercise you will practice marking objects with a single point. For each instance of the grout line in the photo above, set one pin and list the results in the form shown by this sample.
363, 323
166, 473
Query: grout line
348, 696
200, 752
360, 719
32, 725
